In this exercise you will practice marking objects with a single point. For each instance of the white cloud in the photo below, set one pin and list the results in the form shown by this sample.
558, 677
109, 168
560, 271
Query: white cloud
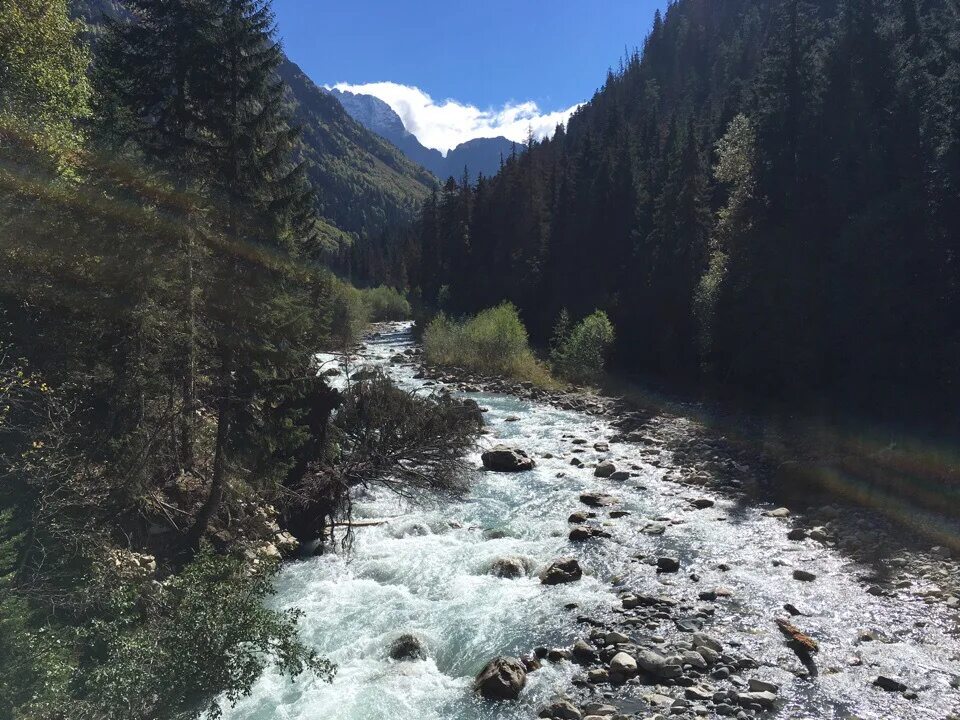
444, 125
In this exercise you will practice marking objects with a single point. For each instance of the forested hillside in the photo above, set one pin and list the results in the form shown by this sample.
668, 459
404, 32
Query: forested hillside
765, 196
363, 184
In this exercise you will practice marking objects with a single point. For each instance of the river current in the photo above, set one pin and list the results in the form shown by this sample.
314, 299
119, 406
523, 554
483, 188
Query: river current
426, 572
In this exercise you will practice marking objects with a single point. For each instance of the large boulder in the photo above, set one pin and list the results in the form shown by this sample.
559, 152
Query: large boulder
508, 568
506, 459
562, 570
408, 647
501, 679
605, 469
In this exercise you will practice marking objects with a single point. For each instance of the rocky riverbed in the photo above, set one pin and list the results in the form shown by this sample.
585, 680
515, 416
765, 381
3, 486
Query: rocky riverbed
627, 570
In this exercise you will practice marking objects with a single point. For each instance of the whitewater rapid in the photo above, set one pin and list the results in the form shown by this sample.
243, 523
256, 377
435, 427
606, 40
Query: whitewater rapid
426, 572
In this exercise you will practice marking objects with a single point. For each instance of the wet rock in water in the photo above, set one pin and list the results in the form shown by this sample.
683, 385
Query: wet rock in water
579, 517
364, 374
797, 534
804, 576
702, 503
576, 462
561, 710
622, 666
605, 469
889, 684
780, 512
597, 499
581, 533
615, 638
506, 459
560, 571
331, 372
501, 679
667, 565
654, 529
620, 475
508, 568
408, 647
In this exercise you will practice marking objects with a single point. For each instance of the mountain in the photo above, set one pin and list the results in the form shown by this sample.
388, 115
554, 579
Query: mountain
363, 184
479, 156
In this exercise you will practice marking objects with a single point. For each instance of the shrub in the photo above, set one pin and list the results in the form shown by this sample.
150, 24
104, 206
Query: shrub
349, 315
579, 354
494, 342
386, 304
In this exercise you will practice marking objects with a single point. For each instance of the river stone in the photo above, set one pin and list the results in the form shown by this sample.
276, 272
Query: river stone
505, 459
408, 647
583, 653
597, 499
579, 517
781, 512
804, 576
508, 568
797, 534
599, 709
702, 503
762, 686
605, 469
501, 679
667, 565
615, 638
561, 570
702, 640
620, 475
561, 710
694, 659
763, 699
889, 684
623, 666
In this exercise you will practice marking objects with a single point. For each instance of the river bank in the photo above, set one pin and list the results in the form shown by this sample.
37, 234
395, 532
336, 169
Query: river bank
675, 548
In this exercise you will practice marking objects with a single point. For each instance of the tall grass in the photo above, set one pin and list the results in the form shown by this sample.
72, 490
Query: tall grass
494, 342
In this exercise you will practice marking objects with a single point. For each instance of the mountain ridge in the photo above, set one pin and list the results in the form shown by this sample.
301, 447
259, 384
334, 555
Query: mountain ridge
478, 155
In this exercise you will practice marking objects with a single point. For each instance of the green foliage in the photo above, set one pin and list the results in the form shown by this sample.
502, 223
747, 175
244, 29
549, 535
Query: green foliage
169, 650
736, 170
350, 316
44, 91
493, 342
579, 354
386, 304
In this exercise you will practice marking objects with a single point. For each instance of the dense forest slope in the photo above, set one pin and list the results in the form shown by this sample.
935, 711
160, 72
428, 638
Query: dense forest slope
363, 184
766, 196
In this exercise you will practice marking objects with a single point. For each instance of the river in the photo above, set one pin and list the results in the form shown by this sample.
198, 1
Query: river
426, 572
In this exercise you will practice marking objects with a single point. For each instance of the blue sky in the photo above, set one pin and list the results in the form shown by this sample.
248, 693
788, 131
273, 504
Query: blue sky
513, 62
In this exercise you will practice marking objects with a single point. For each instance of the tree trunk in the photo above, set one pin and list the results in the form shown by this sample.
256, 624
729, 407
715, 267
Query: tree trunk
218, 480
